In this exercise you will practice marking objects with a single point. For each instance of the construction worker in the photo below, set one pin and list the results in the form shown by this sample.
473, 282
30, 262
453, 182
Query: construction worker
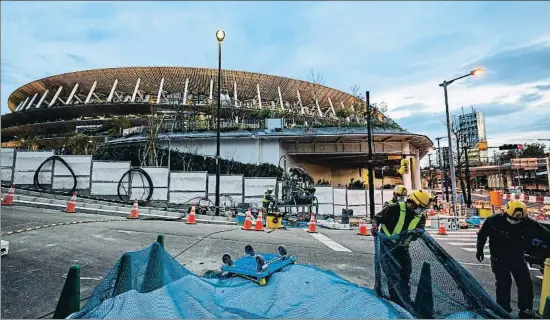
399, 194
395, 258
510, 234
268, 198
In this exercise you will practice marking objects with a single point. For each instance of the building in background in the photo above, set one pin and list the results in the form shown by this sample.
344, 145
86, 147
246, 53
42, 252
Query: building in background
444, 156
471, 127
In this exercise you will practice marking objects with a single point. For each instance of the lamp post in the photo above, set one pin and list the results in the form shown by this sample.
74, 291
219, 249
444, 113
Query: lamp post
220, 35
445, 84
369, 161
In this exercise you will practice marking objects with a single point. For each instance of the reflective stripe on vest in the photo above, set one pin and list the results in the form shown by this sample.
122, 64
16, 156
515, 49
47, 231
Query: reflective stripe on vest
401, 222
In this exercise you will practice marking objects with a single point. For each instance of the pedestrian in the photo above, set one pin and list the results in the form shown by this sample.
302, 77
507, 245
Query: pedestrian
510, 234
268, 199
395, 258
399, 194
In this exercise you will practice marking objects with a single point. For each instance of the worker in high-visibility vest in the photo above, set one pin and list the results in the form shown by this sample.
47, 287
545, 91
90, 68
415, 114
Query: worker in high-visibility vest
268, 199
509, 236
394, 220
399, 194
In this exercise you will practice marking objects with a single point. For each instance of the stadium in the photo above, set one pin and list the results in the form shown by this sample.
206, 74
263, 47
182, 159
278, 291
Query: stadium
264, 118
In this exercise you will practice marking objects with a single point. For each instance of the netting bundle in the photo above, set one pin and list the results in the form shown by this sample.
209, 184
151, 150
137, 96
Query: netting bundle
413, 271
150, 284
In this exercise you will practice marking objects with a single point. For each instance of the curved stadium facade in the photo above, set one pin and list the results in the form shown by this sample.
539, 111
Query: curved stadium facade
263, 117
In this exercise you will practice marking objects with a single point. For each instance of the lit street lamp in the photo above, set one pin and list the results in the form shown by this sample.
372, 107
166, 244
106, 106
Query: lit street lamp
445, 84
220, 35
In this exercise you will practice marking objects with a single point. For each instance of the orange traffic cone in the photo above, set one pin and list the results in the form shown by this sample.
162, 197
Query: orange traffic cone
8, 200
71, 205
247, 221
442, 228
363, 228
192, 219
259, 222
312, 225
134, 214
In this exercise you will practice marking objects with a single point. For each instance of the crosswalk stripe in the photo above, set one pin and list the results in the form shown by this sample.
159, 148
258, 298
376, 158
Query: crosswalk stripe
329, 242
455, 239
474, 249
465, 244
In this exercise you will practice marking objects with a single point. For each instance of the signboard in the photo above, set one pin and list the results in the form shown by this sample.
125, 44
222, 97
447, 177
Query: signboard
525, 164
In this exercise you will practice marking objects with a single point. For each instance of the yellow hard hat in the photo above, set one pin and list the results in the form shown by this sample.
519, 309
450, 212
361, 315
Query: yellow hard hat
516, 209
421, 198
400, 190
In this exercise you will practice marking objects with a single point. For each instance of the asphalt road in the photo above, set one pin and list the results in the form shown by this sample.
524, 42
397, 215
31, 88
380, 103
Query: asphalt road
34, 271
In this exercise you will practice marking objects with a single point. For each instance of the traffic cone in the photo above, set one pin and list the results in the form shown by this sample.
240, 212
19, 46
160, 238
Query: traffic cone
259, 222
8, 200
442, 228
71, 205
134, 214
312, 225
363, 228
247, 221
192, 219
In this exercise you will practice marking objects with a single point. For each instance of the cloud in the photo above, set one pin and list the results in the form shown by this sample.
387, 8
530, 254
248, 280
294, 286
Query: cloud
399, 51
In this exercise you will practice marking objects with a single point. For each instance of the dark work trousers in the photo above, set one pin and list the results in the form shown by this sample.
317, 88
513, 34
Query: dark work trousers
397, 267
517, 267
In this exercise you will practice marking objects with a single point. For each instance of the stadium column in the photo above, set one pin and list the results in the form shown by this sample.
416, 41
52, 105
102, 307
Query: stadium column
92, 92
417, 179
281, 98
300, 102
42, 99
30, 102
135, 90
331, 107
259, 95
235, 93
54, 99
407, 176
185, 91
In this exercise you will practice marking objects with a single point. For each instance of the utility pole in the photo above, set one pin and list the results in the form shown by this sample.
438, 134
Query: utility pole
430, 183
468, 186
548, 174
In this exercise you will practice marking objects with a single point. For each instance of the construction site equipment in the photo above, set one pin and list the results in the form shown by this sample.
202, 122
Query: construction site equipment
312, 225
247, 222
71, 205
363, 228
544, 308
8, 200
413, 262
274, 220
192, 218
257, 267
134, 214
259, 226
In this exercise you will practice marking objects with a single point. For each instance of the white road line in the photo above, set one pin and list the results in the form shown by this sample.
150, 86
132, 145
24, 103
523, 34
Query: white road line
456, 238
473, 244
474, 264
539, 277
329, 242
474, 249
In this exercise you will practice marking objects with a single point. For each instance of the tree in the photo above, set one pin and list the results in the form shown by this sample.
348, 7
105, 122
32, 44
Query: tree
79, 144
532, 150
117, 126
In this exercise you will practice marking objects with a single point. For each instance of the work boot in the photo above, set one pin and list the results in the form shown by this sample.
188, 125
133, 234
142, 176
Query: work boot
526, 314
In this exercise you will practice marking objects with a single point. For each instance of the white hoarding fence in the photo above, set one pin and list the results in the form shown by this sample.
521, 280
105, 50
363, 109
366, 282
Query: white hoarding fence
186, 186
340, 200
26, 164
106, 175
140, 187
81, 166
255, 188
357, 201
231, 185
7, 159
325, 198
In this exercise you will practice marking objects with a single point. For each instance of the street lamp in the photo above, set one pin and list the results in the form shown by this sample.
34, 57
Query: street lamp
220, 35
445, 84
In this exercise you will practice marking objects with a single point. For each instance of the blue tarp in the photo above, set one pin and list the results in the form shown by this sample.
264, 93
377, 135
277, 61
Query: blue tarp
150, 284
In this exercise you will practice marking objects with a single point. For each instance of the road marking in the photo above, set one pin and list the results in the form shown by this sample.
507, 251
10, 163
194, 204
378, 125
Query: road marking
455, 239
90, 278
329, 242
474, 249
539, 277
473, 244
474, 264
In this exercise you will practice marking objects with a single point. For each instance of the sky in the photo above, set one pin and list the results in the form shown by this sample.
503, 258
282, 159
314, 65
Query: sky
399, 51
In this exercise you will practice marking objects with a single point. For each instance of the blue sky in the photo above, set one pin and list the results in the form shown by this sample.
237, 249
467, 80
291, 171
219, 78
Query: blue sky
400, 51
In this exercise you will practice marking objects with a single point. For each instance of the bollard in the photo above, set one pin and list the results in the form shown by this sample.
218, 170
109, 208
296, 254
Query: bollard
545, 291
160, 239
69, 301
